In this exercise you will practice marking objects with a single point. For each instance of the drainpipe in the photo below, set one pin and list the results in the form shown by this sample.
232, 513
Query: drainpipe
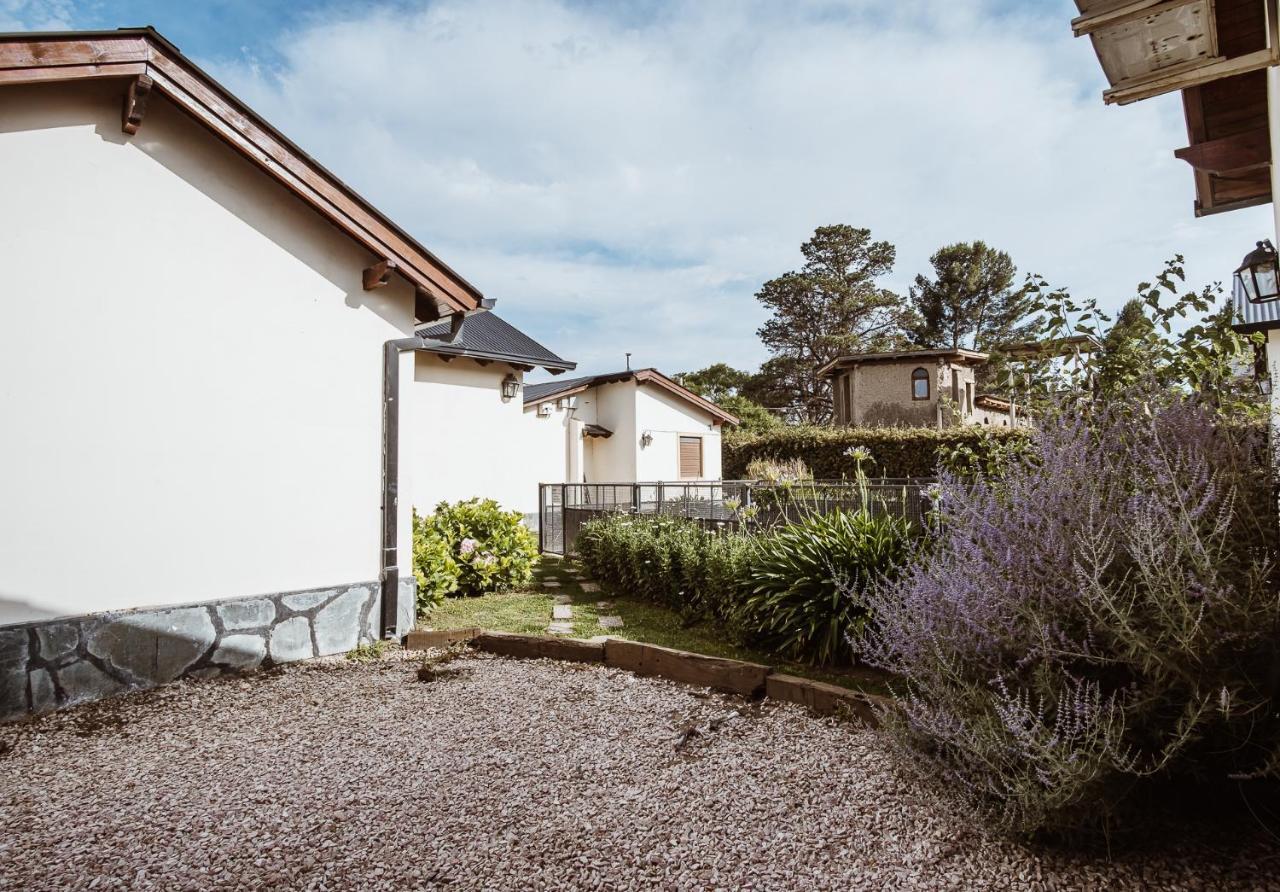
391, 350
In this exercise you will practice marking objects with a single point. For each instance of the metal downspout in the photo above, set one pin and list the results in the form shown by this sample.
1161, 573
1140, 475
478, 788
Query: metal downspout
390, 571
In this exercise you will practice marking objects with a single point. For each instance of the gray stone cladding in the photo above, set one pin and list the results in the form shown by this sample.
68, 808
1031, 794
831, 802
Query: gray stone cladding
51, 664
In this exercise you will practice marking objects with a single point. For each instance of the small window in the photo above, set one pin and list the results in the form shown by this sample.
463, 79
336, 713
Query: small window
919, 385
690, 458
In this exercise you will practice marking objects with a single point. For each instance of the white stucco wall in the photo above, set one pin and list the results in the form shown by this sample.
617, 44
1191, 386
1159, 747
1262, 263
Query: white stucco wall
629, 410
666, 419
190, 371
469, 442
612, 406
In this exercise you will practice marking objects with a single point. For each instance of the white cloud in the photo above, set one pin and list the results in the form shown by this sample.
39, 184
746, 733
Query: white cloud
626, 182
35, 15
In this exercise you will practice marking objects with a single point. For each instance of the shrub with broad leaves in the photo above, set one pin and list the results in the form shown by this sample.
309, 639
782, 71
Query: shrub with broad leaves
472, 547
1100, 617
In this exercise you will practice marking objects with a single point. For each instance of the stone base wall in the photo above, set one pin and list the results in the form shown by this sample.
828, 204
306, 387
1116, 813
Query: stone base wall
49, 665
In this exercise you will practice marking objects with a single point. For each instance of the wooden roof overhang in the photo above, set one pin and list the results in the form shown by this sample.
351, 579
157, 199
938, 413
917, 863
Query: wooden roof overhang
641, 377
145, 63
1216, 53
958, 355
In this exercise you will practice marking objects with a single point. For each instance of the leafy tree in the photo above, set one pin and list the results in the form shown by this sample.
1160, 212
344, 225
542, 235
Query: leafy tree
1206, 357
971, 301
1130, 349
726, 386
830, 307
715, 382
753, 418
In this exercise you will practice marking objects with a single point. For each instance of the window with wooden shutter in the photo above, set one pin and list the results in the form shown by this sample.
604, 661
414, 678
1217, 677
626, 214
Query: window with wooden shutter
690, 457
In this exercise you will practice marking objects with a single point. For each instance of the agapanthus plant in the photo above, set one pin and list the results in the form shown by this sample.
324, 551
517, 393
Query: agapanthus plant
1102, 614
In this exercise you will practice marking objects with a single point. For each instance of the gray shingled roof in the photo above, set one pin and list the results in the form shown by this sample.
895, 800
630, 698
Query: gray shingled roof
486, 336
535, 392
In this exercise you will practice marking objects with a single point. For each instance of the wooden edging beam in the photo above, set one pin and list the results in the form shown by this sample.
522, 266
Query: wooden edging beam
745, 679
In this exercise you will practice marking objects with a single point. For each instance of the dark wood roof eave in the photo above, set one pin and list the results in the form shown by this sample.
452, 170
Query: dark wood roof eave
127, 54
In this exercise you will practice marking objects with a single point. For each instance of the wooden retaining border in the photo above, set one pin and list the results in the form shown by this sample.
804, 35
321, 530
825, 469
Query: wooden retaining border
745, 679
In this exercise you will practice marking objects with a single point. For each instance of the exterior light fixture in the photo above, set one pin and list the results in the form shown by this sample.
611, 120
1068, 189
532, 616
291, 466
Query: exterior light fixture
510, 387
1259, 274
646, 439
1264, 386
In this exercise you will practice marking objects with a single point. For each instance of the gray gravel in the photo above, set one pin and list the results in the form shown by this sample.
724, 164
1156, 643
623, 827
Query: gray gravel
505, 775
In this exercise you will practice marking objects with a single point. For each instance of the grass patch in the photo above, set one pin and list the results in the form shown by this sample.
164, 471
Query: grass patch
529, 612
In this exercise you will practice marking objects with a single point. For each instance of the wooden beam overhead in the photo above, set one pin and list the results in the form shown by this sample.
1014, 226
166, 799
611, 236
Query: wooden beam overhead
41, 58
135, 103
1123, 12
378, 275
1189, 77
1238, 152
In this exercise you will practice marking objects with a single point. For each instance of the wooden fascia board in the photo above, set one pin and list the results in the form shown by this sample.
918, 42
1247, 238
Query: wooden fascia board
1185, 78
654, 377
130, 55
1208, 210
1125, 12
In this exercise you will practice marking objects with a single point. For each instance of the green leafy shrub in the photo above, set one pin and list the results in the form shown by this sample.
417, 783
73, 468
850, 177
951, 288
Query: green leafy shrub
668, 560
809, 581
797, 590
433, 566
471, 548
834, 453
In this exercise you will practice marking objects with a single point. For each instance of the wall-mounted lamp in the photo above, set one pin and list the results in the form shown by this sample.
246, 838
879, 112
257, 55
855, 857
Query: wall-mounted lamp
1259, 274
646, 440
510, 387
1264, 386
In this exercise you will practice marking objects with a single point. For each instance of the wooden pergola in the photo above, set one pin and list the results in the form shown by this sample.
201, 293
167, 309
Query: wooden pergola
1216, 53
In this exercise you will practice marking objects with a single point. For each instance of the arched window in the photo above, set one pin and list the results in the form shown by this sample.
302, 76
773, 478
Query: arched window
919, 385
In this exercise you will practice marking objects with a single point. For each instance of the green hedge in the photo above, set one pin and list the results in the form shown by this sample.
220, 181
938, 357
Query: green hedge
895, 452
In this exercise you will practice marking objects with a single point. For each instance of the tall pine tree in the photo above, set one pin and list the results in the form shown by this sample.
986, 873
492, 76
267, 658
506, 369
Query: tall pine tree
970, 302
829, 307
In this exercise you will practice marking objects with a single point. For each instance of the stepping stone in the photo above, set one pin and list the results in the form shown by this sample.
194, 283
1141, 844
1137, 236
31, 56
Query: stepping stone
550, 583
562, 611
590, 587
562, 599
604, 605
560, 628
611, 622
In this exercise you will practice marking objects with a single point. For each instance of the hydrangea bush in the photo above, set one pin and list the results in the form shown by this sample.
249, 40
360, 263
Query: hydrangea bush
1100, 617
472, 547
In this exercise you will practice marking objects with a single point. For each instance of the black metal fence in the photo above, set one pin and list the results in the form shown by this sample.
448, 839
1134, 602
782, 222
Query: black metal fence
564, 508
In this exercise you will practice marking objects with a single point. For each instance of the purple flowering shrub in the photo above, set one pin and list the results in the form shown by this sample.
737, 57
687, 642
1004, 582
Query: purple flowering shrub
1102, 616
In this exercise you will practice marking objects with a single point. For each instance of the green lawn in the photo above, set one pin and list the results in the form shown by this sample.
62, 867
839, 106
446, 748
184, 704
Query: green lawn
529, 612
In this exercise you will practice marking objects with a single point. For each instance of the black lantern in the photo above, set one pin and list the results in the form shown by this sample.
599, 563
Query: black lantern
1257, 275
510, 387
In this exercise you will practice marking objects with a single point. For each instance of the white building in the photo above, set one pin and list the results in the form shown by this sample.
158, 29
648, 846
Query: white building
194, 327
471, 387
636, 425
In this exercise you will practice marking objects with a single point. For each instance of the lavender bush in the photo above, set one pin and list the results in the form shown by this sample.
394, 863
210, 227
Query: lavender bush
1101, 617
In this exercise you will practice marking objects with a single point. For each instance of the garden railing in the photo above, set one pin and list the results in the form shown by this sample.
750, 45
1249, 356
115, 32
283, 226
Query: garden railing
564, 508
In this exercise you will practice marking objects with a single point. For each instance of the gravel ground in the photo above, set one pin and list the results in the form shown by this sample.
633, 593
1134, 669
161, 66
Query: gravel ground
506, 775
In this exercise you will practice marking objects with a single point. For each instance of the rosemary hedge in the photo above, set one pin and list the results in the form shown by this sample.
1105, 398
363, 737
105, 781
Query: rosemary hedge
895, 452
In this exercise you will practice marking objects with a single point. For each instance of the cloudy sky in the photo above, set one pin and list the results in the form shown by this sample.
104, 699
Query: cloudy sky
624, 176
